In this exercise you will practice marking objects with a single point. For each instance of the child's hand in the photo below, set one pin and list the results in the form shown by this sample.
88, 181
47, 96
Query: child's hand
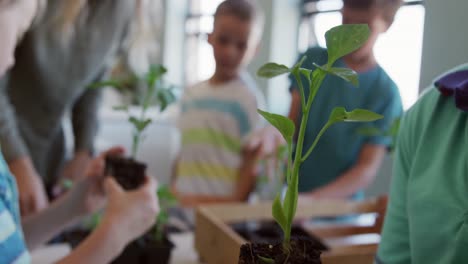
87, 195
131, 213
267, 140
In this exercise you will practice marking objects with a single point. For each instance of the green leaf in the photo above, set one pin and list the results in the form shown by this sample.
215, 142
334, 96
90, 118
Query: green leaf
67, 184
306, 73
369, 131
393, 131
295, 69
266, 260
165, 196
344, 73
164, 98
344, 39
278, 213
271, 70
117, 84
339, 114
120, 108
139, 125
284, 125
155, 73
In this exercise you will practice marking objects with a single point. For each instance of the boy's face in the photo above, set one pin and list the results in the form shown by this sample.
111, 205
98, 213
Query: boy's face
370, 17
231, 44
15, 18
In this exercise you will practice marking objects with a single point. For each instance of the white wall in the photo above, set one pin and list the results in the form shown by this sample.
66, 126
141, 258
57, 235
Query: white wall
279, 44
445, 42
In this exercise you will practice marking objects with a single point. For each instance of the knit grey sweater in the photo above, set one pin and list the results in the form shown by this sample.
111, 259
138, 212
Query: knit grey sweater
50, 78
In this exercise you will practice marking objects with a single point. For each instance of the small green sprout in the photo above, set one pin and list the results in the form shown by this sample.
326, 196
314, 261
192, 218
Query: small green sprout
154, 94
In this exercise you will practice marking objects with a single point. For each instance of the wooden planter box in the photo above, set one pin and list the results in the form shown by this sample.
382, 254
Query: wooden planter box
216, 242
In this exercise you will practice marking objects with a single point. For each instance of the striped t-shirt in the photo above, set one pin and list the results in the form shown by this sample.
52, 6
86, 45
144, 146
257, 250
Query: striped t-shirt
12, 246
214, 121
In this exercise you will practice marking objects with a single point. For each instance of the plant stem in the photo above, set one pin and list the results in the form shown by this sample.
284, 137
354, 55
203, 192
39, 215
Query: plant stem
293, 185
319, 135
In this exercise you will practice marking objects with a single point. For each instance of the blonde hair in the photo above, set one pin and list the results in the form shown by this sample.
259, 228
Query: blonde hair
140, 47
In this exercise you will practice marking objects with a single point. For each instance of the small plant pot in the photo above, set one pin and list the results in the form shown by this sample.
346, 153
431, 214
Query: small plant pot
266, 241
301, 251
129, 173
146, 250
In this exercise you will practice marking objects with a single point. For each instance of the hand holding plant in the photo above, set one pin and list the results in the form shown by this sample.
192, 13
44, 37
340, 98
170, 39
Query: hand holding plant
130, 213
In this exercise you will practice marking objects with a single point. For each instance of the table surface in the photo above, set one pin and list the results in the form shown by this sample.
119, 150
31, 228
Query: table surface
183, 253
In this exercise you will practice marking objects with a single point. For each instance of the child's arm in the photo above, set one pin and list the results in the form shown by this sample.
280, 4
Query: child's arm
32, 195
356, 178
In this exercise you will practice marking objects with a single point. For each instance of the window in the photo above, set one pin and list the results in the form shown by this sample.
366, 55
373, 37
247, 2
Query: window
200, 62
398, 51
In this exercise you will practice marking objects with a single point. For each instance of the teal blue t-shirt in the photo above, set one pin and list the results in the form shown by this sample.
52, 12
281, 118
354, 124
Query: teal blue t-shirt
339, 148
427, 214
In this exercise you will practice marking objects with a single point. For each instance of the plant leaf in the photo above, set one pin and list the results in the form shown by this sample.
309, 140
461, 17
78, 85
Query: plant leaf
344, 73
369, 131
283, 124
155, 73
164, 98
120, 108
278, 213
109, 83
296, 68
306, 73
67, 184
266, 260
339, 114
139, 125
344, 39
271, 70
393, 131
166, 196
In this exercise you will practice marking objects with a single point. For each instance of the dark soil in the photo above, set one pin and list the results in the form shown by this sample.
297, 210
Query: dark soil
130, 174
266, 241
146, 250
302, 252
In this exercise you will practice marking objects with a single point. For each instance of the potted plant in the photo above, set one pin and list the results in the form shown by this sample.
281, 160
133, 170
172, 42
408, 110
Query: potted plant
340, 40
154, 246
128, 172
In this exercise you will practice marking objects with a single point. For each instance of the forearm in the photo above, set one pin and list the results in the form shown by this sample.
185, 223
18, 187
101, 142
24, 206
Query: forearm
102, 246
42, 226
357, 177
350, 182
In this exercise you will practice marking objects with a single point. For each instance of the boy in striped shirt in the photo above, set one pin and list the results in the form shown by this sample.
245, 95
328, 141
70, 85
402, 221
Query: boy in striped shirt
218, 114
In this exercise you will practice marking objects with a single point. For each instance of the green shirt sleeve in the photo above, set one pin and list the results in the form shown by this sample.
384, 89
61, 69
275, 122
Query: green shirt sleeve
395, 243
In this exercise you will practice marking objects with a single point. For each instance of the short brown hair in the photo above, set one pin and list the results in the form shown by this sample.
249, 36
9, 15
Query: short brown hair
245, 10
388, 8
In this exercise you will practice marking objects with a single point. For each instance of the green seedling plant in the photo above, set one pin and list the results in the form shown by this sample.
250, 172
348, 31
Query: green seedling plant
340, 41
154, 94
166, 200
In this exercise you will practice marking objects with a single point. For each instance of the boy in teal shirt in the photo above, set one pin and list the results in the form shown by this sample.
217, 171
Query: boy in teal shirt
345, 162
